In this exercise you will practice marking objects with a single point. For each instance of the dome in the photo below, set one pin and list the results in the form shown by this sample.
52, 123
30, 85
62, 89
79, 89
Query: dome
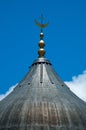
42, 101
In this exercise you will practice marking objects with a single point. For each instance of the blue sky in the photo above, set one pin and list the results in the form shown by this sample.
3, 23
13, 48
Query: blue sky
65, 37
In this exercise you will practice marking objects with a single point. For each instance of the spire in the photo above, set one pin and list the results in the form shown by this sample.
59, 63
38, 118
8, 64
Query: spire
41, 50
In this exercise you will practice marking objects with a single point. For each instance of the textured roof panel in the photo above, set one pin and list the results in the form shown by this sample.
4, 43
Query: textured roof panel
42, 101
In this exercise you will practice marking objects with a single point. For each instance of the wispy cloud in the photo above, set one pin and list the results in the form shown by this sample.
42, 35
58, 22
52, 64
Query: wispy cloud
8, 92
78, 85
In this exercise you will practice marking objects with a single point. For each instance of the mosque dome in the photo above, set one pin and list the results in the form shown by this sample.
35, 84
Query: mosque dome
42, 101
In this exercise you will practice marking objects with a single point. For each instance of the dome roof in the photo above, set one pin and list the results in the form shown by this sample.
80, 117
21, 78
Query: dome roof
42, 101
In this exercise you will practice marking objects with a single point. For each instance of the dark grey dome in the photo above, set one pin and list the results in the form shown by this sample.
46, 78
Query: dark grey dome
42, 101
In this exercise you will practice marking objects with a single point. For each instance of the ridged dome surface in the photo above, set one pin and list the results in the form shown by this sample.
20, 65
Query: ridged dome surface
42, 101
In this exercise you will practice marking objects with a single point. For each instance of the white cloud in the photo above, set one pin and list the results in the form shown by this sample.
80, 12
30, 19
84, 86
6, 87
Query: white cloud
8, 92
78, 85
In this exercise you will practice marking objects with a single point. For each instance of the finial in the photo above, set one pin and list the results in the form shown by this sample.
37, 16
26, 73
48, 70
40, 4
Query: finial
41, 51
42, 18
41, 25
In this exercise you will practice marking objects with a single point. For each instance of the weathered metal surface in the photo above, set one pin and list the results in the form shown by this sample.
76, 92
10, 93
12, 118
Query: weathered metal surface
42, 101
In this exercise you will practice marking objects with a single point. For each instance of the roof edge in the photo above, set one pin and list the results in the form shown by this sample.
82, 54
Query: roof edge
41, 60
